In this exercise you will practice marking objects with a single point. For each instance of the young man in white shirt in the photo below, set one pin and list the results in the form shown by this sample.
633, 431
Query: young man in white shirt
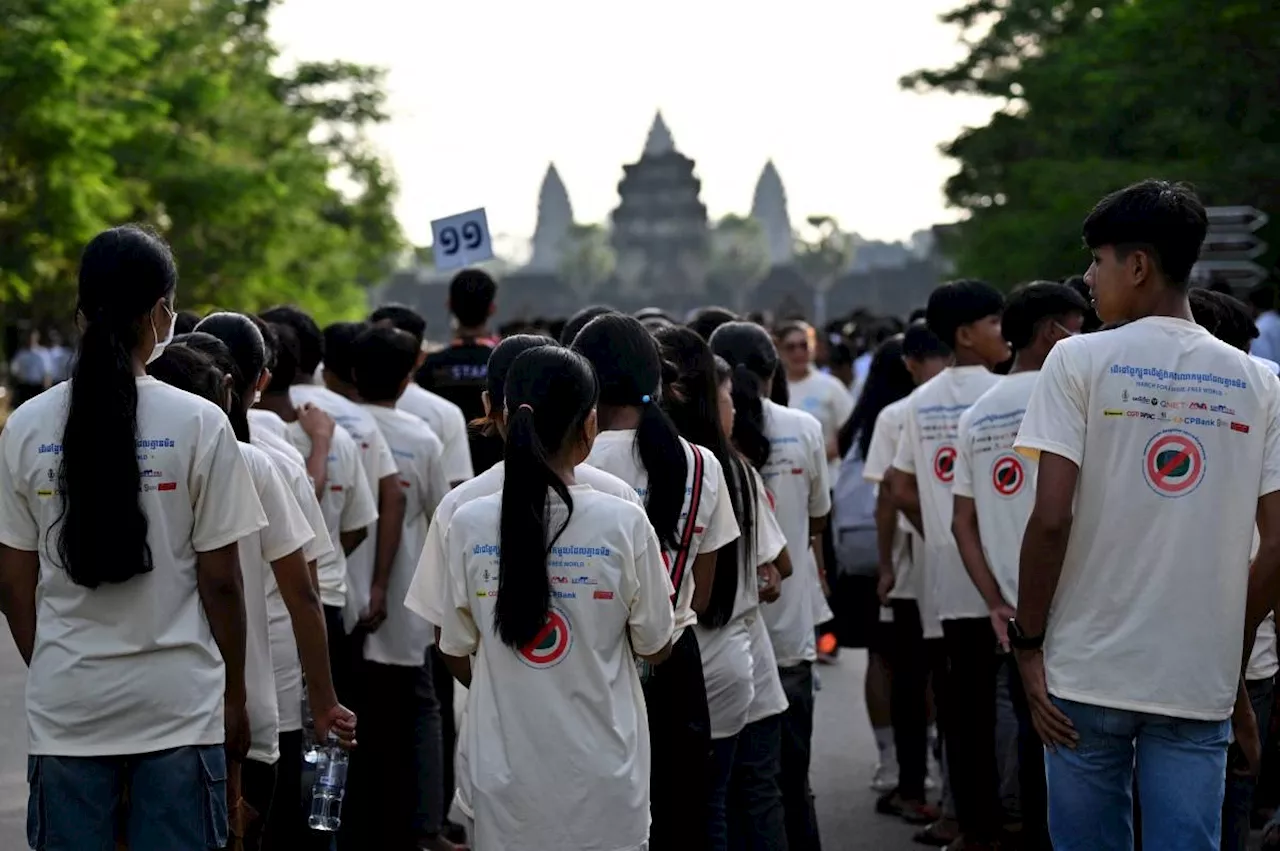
993, 491
1158, 445
966, 317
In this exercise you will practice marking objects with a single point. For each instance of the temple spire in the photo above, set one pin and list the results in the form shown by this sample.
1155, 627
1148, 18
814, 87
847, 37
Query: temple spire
555, 217
659, 141
769, 208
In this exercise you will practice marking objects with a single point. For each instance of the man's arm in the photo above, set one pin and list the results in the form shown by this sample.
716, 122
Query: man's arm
219, 583
964, 527
318, 426
391, 505
904, 491
1044, 544
19, 574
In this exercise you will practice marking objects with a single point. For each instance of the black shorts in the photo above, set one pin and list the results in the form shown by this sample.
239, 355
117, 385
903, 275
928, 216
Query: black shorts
857, 609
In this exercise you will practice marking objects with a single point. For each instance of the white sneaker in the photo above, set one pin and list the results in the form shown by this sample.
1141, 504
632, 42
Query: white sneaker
885, 779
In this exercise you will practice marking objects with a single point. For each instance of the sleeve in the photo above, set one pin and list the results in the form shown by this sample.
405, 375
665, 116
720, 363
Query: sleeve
428, 589
770, 541
436, 483
904, 458
288, 530
224, 501
962, 481
360, 509
384, 463
1057, 410
884, 443
1271, 451
819, 488
19, 529
651, 621
305, 493
721, 525
459, 635
457, 452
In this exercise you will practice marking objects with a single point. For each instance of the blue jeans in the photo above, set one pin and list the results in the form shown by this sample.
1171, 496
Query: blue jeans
757, 820
722, 756
1181, 767
1237, 807
177, 801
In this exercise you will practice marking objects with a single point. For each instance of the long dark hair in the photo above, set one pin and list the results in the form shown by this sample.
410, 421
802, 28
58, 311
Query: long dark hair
123, 273
749, 350
888, 380
500, 360
695, 410
245, 344
550, 391
191, 370
625, 358
216, 353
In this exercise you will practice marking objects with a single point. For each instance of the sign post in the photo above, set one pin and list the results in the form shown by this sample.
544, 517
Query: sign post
1230, 247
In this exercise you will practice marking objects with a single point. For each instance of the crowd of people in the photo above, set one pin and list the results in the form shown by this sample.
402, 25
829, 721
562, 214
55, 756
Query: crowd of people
1051, 518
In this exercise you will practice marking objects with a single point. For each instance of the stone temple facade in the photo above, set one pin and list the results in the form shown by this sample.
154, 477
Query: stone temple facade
555, 218
769, 209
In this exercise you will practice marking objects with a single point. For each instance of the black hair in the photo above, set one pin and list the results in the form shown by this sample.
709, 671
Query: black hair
919, 343
916, 315
270, 339
706, 320
403, 317
219, 353
959, 303
123, 273
500, 360
1223, 316
695, 409
629, 368
339, 345
243, 341
555, 328
579, 321
888, 380
286, 358
189, 369
1091, 321
749, 350
471, 295
1164, 219
381, 359
1262, 297
1031, 305
307, 333
185, 322
551, 392
791, 326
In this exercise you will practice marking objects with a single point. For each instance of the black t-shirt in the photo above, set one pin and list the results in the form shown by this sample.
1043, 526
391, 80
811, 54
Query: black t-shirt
460, 374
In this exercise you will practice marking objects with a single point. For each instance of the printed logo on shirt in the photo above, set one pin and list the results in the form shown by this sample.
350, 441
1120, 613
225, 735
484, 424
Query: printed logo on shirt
1112, 412
336, 488
45, 493
602, 595
1240, 427
551, 644
50, 449
944, 464
1173, 463
1007, 475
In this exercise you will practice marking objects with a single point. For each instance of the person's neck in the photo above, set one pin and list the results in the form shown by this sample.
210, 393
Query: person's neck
563, 470
306, 378
621, 418
965, 357
139, 366
279, 404
343, 389
1169, 303
1028, 360
799, 374
465, 331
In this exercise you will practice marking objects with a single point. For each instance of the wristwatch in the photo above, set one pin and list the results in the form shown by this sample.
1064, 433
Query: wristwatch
1019, 640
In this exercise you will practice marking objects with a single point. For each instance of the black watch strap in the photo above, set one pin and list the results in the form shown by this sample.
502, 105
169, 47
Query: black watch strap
1019, 640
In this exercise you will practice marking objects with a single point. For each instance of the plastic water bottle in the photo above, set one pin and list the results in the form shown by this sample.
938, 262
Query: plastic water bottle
310, 747
329, 787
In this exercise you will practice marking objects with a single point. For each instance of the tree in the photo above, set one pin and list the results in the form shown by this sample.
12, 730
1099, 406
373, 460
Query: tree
1098, 95
587, 259
740, 255
262, 183
823, 252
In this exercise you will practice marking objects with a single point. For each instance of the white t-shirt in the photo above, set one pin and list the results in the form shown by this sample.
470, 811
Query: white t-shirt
826, 398
404, 637
574, 773
927, 450
287, 532
284, 648
131, 667
1001, 483
348, 504
796, 477
1177, 435
715, 526
448, 423
728, 665
269, 422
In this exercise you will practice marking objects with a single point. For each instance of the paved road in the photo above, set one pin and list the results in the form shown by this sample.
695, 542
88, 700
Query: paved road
844, 758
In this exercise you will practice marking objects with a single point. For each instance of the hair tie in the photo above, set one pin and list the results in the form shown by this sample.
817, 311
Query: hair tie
526, 407
645, 399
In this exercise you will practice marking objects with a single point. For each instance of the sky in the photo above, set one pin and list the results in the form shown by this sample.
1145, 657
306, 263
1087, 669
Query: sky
484, 94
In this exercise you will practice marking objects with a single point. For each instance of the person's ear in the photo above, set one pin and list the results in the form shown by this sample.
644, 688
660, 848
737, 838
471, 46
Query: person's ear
227, 392
488, 405
964, 337
264, 379
1139, 266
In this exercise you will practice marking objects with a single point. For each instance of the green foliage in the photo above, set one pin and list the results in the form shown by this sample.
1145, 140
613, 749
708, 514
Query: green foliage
168, 112
823, 251
1097, 95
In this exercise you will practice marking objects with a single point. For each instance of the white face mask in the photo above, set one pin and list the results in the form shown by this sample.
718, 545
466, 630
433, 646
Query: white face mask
257, 396
160, 344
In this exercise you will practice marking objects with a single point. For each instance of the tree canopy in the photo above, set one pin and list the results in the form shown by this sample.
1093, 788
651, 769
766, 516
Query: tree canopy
1096, 95
169, 112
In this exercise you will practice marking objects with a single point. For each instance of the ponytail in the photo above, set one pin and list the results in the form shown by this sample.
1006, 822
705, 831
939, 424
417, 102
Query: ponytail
123, 273
550, 392
749, 350
664, 460
748, 420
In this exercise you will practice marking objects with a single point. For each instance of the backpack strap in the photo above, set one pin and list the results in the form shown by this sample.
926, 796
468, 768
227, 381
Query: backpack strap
681, 561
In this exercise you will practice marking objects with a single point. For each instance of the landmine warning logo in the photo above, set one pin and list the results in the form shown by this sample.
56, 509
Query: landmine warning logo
551, 644
944, 464
1173, 463
1007, 475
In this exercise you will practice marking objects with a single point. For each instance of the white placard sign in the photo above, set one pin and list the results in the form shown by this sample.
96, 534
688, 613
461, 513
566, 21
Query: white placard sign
461, 240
